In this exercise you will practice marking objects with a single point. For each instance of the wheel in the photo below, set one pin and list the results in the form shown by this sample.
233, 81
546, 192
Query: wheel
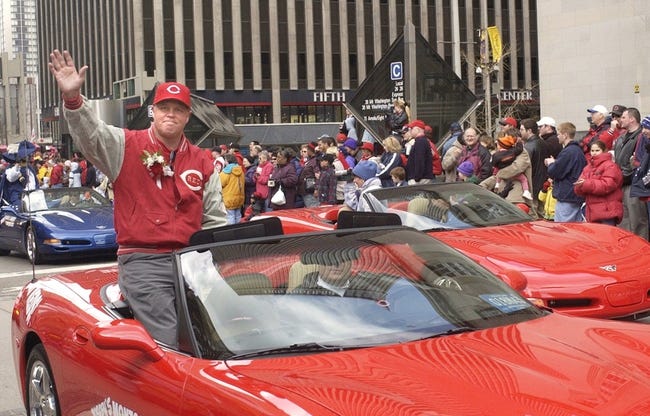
31, 248
39, 384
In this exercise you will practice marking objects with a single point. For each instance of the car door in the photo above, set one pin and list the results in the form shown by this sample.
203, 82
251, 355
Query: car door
120, 382
11, 232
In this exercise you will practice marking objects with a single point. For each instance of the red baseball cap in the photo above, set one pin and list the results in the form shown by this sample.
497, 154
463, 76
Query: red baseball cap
417, 123
368, 146
508, 121
173, 91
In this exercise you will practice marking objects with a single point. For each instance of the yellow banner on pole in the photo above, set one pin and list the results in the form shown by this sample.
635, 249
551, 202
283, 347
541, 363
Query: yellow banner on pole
495, 43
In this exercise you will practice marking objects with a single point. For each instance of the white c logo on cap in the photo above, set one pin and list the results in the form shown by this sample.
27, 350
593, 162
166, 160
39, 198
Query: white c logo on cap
174, 89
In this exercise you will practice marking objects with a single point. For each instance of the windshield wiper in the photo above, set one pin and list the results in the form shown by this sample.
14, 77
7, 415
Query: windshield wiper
452, 331
293, 348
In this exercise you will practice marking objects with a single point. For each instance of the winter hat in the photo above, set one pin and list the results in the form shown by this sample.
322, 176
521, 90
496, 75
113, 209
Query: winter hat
365, 169
351, 143
466, 168
646, 122
507, 142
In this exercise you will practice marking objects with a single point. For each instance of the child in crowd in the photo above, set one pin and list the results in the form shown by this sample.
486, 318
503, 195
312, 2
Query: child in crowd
398, 175
465, 172
326, 178
507, 151
546, 196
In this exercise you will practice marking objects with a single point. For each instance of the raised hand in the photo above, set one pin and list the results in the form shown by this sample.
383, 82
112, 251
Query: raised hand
69, 79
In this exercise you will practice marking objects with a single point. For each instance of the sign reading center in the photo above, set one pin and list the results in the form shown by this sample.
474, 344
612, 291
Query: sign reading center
396, 71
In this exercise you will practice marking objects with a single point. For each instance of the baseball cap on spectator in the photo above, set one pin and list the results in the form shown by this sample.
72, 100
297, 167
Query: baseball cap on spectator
466, 168
365, 169
507, 142
508, 121
646, 122
618, 109
368, 146
341, 137
224, 148
351, 143
417, 123
546, 121
173, 91
598, 109
455, 126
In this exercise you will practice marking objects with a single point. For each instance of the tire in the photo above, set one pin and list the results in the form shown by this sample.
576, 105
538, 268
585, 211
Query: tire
31, 248
42, 398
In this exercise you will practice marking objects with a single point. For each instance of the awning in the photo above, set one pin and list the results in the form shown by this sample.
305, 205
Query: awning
286, 134
207, 123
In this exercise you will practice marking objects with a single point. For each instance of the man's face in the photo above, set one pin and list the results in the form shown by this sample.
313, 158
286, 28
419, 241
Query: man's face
525, 133
597, 118
470, 137
545, 129
337, 272
170, 118
626, 120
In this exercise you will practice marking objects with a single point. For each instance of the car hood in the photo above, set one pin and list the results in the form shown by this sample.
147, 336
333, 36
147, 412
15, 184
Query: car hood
545, 245
78, 219
553, 365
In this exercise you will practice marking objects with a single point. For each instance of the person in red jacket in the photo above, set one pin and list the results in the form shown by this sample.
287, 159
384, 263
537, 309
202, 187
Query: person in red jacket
601, 184
165, 190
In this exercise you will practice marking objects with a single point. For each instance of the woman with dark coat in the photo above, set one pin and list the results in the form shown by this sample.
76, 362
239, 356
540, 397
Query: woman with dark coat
601, 184
284, 175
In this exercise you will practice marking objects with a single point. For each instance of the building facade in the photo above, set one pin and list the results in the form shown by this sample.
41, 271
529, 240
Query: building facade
275, 61
19, 58
593, 53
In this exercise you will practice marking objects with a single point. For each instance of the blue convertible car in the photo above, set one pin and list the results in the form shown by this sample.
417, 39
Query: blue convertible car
58, 223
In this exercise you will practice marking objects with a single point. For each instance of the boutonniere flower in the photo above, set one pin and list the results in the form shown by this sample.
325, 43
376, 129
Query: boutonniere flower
157, 166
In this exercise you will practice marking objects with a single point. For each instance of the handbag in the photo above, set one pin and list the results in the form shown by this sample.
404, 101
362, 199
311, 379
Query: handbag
278, 198
310, 184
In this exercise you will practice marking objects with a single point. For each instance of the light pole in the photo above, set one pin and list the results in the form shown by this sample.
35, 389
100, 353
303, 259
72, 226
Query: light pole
490, 56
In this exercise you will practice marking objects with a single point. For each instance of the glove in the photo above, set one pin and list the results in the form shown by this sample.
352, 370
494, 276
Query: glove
545, 186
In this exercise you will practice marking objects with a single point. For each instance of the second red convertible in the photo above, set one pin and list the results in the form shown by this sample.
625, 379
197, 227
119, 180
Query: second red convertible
583, 269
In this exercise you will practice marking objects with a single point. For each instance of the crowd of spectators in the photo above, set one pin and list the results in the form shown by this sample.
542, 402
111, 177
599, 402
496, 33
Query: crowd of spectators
603, 176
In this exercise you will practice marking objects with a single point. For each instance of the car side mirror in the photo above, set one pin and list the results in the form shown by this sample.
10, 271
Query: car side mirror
126, 334
514, 278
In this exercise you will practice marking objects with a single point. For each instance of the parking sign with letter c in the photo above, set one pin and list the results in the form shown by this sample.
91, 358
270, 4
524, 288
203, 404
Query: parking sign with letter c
395, 71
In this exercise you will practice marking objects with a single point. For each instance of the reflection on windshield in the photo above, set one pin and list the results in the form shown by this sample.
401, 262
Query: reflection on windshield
358, 290
445, 206
63, 198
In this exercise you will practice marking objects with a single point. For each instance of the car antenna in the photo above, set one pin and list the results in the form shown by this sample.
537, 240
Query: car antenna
32, 258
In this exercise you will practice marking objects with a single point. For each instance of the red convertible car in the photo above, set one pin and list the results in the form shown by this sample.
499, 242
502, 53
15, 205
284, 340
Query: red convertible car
383, 320
583, 269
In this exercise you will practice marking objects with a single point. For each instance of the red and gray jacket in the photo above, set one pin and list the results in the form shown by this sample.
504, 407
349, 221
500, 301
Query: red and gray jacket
152, 213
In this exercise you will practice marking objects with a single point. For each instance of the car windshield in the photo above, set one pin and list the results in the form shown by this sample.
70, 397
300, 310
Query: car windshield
445, 206
63, 198
337, 291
